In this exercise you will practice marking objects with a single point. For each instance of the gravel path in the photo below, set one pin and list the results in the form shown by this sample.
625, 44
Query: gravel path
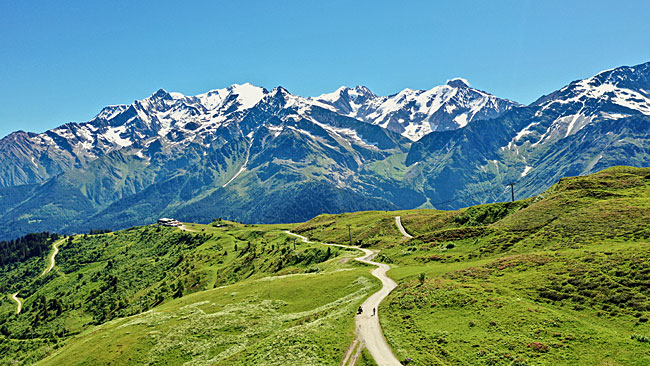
398, 222
15, 298
55, 246
368, 327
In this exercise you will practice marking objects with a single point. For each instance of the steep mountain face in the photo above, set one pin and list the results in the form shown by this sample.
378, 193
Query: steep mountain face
612, 94
241, 152
163, 119
415, 113
294, 163
255, 155
584, 127
173, 120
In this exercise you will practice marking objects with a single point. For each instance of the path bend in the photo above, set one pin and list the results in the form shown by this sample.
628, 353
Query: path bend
398, 222
368, 327
55, 247
55, 251
15, 298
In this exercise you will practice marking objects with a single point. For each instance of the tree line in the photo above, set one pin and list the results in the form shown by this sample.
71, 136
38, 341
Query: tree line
25, 247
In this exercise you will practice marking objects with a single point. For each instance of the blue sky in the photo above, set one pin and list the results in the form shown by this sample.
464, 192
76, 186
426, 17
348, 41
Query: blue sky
63, 61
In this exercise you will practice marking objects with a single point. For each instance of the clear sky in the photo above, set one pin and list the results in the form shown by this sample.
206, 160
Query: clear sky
63, 61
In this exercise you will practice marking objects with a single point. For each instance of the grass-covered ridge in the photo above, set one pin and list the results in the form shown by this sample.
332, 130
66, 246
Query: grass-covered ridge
100, 278
557, 279
299, 319
560, 278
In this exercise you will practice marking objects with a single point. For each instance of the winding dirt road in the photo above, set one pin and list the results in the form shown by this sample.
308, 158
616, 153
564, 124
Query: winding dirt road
55, 251
15, 298
368, 327
398, 222
55, 246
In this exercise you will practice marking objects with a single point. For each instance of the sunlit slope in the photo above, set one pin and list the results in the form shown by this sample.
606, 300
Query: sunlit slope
560, 278
99, 279
297, 319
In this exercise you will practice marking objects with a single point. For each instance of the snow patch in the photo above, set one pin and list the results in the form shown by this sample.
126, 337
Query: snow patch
113, 135
275, 130
248, 95
348, 134
461, 120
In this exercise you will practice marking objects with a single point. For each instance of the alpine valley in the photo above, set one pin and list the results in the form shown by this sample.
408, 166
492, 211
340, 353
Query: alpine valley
250, 154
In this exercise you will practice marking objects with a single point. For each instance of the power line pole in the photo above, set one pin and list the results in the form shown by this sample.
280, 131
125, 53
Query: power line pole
512, 190
350, 233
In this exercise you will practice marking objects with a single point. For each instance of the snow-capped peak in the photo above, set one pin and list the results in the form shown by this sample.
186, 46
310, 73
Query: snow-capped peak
345, 92
159, 94
178, 119
249, 95
415, 113
614, 85
609, 94
246, 95
458, 83
279, 91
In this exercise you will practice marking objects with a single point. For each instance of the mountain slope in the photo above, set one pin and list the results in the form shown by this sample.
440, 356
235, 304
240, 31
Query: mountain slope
251, 154
168, 119
209, 281
280, 148
559, 278
574, 131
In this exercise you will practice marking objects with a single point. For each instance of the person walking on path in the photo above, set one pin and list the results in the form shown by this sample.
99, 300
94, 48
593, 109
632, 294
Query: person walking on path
374, 311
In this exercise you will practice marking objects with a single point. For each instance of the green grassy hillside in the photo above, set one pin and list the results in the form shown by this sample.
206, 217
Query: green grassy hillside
297, 319
561, 278
557, 279
101, 278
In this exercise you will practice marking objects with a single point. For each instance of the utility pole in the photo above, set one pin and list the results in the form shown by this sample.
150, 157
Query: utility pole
512, 190
350, 234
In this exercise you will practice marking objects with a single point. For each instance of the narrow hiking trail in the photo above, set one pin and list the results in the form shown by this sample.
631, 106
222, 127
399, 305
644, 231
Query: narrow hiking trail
398, 222
15, 298
369, 330
55, 251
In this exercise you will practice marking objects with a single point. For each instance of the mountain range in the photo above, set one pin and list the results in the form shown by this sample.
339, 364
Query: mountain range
254, 155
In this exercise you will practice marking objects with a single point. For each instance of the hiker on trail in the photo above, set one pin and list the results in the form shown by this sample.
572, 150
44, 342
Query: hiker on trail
374, 311
360, 310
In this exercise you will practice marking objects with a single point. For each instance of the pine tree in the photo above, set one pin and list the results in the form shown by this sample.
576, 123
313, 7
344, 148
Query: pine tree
179, 290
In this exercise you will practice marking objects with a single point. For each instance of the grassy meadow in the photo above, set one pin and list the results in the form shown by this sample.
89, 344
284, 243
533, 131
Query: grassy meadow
557, 279
297, 291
